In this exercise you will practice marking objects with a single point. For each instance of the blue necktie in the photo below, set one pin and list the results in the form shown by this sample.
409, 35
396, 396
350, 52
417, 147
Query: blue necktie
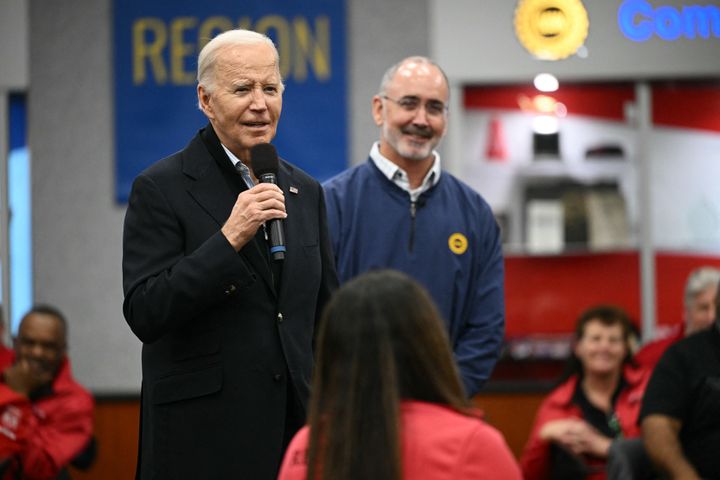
244, 172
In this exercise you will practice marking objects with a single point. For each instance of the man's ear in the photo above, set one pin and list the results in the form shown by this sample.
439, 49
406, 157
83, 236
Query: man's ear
204, 101
377, 110
574, 347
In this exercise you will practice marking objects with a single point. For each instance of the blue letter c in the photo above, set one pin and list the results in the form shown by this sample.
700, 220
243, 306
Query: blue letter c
643, 29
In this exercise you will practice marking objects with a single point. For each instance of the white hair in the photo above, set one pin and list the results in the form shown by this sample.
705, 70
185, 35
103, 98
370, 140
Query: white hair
209, 53
698, 280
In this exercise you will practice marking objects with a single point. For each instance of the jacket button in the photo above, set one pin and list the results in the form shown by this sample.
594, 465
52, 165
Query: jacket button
230, 289
279, 318
277, 377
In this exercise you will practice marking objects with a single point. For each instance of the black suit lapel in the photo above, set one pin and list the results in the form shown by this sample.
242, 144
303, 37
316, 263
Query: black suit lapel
285, 182
215, 188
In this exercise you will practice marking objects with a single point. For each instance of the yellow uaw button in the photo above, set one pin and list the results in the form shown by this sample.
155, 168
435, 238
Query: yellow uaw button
458, 243
551, 29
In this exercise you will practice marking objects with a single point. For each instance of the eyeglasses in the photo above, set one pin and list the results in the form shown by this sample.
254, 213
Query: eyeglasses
411, 104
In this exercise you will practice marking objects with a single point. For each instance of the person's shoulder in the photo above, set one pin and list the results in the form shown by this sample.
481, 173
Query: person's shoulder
636, 378
164, 166
702, 343
297, 174
7, 356
686, 353
301, 438
695, 341
561, 395
294, 464
455, 186
347, 176
437, 420
66, 383
418, 408
650, 353
435, 434
296, 453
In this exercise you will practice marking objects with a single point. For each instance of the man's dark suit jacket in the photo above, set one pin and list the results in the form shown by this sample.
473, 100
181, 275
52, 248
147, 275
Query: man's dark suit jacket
218, 340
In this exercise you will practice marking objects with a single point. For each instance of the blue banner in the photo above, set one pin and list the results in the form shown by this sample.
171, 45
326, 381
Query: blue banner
156, 44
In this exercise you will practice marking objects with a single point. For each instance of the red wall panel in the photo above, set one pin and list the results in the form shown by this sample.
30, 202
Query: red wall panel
694, 105
546, 294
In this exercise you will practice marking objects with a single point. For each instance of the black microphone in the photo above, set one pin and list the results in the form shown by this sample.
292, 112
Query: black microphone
264, 161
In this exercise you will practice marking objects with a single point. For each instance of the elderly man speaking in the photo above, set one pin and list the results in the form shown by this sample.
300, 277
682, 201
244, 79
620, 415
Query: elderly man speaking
227, 327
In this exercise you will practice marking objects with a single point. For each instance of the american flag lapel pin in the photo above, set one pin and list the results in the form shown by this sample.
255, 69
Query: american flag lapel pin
293, 190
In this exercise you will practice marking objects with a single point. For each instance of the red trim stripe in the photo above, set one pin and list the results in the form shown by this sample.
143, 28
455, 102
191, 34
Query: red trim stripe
602, 101
692, 105
687, 105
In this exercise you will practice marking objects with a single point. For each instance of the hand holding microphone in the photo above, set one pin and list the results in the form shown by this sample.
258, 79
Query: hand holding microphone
265, 167
262, 204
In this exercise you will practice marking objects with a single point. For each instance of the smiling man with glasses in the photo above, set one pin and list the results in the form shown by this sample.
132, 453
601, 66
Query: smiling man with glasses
411, 104
400, 210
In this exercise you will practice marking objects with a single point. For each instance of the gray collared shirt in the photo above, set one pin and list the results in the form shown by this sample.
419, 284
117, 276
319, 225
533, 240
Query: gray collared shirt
400, 178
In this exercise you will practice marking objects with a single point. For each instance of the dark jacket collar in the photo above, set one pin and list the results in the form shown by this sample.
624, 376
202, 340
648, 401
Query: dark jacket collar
212, 142
206, 189
634, 378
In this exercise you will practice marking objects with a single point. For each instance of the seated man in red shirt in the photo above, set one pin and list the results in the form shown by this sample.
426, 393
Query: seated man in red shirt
6, 354
700, 290
45, 415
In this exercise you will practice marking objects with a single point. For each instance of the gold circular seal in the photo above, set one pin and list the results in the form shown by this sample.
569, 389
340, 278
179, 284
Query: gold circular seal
458, 243
551, 29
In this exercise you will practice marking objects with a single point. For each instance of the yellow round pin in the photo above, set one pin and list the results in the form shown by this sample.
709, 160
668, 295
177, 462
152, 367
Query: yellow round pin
458, 243
551, 29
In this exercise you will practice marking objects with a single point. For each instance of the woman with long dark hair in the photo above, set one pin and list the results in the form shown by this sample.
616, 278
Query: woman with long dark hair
387, 402
597, 402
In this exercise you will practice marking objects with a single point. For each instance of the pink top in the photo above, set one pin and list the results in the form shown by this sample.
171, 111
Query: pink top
438, 443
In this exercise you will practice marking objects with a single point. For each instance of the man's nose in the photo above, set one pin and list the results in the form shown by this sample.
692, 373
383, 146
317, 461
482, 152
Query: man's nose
421, 116
37, 351
258, 99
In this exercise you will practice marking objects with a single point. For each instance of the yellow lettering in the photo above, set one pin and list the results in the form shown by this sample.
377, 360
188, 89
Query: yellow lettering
211, 27
244, 23
303, 46
315, 51
282, 30
151, 51
179, 50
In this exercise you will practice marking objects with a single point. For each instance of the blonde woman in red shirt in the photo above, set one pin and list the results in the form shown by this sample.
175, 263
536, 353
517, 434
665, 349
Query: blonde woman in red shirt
387, 402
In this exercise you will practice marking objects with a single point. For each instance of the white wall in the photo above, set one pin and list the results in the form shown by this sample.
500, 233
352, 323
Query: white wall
577, 134
684, 174
13, 45
77, 227
13, 78
381, 33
